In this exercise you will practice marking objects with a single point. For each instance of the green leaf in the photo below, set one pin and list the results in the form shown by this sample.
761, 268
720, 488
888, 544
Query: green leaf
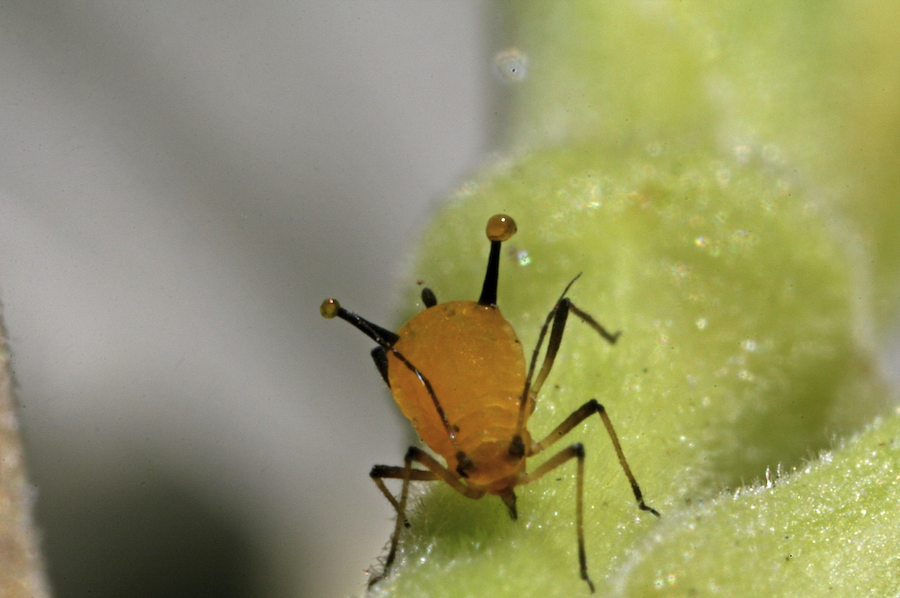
741, 351
694, 162
828, 529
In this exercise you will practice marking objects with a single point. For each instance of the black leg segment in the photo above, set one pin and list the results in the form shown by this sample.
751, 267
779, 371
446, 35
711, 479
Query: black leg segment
581, 414
575, 451
381, 363
434, 472
428, 297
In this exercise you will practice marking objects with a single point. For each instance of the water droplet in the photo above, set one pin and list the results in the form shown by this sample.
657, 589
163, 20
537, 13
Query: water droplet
511, 65
700, 323
679, 270
771, 153
723, 176
523, 258
654, 148
743, 153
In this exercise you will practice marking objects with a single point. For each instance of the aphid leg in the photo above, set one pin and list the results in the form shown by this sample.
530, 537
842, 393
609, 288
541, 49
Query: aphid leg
581, 414
588, 319
380, 472
576, 451
526, 402
406, 475
428, 297
558, 316
379, 356
434, 472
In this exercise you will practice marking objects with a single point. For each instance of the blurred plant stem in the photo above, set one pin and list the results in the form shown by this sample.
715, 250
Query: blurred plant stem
21, 566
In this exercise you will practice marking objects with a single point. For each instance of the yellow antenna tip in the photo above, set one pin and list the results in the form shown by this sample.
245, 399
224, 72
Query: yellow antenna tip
500, 227
330, 308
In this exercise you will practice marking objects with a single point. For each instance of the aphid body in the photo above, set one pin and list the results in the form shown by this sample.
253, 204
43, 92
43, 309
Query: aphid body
458, 372
478, 373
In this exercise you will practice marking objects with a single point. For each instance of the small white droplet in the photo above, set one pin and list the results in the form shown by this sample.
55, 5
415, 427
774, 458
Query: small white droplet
743, 153
511, 65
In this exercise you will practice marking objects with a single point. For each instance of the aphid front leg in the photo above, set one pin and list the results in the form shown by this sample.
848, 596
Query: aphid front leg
576, 451
434, 472
559, 316
378, 472
581, 414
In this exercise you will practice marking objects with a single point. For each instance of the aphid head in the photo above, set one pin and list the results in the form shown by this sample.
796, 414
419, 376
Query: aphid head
499, 228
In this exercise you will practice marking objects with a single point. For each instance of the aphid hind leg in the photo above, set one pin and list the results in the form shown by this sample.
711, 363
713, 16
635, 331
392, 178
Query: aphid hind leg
610, 337
563, 456
434, 472
559, 315
578, 416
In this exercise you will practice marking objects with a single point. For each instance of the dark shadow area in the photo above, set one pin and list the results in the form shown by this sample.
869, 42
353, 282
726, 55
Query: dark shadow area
138, 535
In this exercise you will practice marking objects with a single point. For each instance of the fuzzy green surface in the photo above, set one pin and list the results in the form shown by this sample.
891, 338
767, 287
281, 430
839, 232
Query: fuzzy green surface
724, 175
816, 84
828, 530
744, 346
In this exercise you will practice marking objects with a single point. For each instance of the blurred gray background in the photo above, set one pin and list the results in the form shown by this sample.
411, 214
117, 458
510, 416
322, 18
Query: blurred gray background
181, 184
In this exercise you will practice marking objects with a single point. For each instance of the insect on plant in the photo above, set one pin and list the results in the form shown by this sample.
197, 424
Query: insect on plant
457, 371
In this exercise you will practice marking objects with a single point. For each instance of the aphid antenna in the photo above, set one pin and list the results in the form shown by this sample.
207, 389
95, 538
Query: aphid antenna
489, 289
331, 308
500, 228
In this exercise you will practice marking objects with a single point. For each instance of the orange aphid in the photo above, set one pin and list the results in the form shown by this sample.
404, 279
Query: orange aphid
478, 377
457, 370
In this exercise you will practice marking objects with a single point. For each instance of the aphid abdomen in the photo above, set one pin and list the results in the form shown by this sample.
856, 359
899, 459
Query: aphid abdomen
476, 366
